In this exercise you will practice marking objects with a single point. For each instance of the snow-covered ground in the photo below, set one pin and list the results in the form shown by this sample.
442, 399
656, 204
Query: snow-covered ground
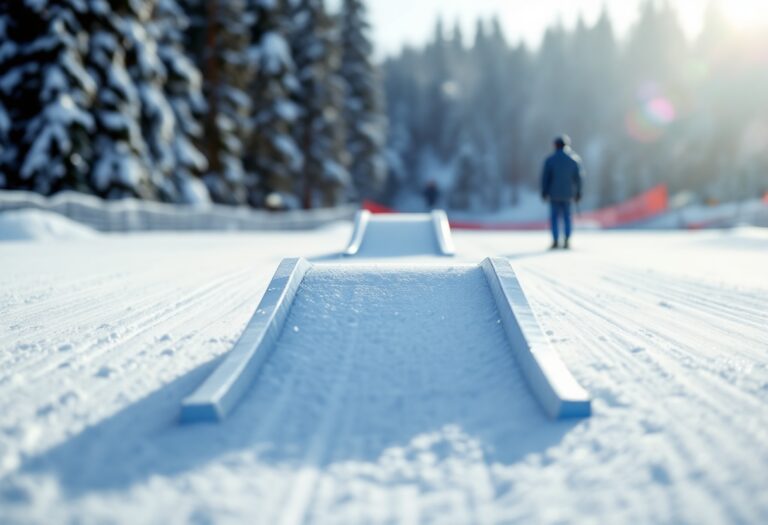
38, 225
101, 338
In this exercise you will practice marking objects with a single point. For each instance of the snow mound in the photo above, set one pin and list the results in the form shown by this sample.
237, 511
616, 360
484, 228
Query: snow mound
38, 225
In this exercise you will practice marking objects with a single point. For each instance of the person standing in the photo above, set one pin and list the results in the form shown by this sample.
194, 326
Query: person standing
561, 184
431, 194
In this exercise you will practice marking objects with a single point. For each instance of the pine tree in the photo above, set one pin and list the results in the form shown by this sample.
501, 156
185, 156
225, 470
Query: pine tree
273, 159
5, 128
227, 73
321, 131
437, 97
366, 130
122, 166
45, 93
183, 89
156, 116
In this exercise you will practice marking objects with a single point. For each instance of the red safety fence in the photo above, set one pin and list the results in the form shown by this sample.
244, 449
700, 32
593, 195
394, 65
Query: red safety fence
375, 207
643, 207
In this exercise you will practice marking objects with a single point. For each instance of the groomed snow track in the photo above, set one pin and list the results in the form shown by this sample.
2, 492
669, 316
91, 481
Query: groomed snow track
401, 235
375, 310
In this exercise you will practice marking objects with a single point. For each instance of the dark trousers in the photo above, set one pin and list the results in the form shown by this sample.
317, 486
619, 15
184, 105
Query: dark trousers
560, 209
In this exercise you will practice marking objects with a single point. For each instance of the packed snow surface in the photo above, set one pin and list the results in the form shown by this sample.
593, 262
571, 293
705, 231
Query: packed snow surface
36, 225
401, 235
350, 421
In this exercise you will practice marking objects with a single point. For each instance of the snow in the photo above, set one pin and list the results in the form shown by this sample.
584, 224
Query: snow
727, 214
290, 150
399, 236
37, 225
275, 53
335, 173
287, 110
194, 193
350, 422
127, 215
53, 135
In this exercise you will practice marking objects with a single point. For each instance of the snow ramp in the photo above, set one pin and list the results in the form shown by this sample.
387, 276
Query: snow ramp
449, 325
401, 235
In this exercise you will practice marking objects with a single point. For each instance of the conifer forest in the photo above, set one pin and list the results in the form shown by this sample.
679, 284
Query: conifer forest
284, 104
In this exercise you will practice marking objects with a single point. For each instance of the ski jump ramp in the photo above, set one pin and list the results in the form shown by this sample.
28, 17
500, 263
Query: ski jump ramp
463, 322
400, 235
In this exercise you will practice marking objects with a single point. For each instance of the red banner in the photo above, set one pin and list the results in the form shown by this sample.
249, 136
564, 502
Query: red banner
375, 207
645, 206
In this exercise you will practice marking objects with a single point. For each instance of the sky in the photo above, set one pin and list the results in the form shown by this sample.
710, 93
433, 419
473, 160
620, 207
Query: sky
399, 22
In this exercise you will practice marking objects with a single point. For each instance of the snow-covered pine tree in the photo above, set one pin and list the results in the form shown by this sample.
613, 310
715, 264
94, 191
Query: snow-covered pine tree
45, 92
122, 162
5, 128
147, 71
226, 75
183, 89
364, 113
273, 159
321, 131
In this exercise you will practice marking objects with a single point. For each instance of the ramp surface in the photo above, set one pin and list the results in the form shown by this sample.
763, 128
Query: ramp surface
401, 235
369, 309
369, 356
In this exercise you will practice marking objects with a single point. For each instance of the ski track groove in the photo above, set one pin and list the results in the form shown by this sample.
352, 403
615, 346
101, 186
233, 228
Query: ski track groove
236, 302
94, 315
61, 298
239, 296
623, 371
688, 358
604, 329
700, 300
95, 302
190, 311
46, 291
673, 344
143, 320
56, 289
677, 322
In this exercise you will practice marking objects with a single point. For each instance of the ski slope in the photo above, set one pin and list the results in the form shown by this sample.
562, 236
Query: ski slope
102, 338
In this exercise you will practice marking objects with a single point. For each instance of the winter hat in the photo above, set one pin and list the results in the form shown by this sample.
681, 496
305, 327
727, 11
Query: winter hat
562, 141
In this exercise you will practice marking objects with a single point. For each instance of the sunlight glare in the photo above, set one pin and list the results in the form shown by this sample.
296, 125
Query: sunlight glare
745, 14
742, 14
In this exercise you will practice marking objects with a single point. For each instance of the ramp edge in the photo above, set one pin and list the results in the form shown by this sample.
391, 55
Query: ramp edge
443, 233
362, 217
224, 388
557, 391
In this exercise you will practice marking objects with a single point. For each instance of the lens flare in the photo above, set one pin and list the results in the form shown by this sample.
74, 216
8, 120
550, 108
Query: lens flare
661, 111
651, 116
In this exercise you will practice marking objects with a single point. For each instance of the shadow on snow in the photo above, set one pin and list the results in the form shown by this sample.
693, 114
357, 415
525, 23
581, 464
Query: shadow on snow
145, 440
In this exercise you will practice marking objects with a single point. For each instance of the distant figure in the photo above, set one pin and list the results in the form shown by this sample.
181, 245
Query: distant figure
431, 194
561, 182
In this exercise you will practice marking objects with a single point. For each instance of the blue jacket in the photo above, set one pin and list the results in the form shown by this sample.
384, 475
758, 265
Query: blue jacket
562, 176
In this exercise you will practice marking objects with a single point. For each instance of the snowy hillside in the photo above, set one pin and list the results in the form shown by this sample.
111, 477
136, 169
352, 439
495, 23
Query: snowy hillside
99, 344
